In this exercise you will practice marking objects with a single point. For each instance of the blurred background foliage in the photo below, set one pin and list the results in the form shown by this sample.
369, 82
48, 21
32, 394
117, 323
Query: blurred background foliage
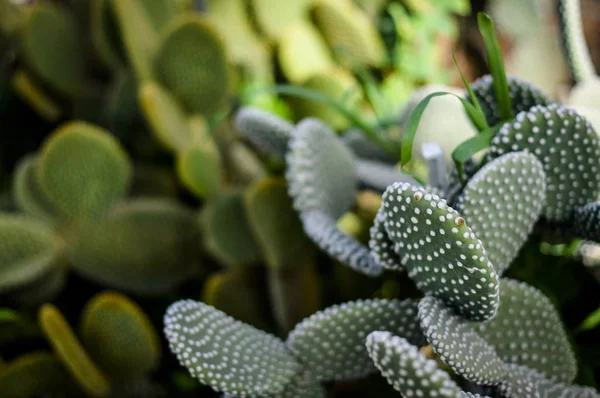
124, 185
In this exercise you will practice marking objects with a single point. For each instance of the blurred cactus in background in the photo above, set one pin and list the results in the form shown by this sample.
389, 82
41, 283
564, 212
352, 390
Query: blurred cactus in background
300, 198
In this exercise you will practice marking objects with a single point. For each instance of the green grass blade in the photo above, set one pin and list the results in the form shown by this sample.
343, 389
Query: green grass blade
479, 121
592, 321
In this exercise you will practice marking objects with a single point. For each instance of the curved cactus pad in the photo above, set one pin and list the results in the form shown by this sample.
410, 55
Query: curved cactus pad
458, 345
408, 370
586, 221
83, 170
527, 331
321, 171
523, 96
331, 342
382, 248
228, 355
303, 385
266, 131
440, 251
568, 147
119, 336
69, 350
502, 203
27, 250
523, 382
146, 246
191, 63
27, 193
323, 230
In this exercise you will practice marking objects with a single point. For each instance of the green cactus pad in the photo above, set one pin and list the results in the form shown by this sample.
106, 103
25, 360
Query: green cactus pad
321, 171
276, 225
527, 330
35, 374
191, 63
118, 336
303, 385
164, 114
104, 34
440, 251
266, 131
523, 95
51, 48
83, 170
568, 147
382, 248
458, 344
349, 30
502, 203
228, 355
275, 16
586, 221
407, 369
30, 90
145, 246
28, 248
199, 164
296, 41
27, 193
332, 342
71, 353
162, 12
227, 232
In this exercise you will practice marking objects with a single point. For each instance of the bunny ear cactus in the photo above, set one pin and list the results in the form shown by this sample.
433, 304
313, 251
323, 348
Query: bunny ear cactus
269, 133
27, 192
586, 221
275, 17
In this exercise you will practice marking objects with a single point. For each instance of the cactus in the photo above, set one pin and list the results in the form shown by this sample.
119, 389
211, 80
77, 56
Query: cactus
268, 133
27, 192
274, 17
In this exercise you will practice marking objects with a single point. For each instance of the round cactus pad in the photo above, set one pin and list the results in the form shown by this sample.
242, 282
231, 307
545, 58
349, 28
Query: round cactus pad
267, 132
27, 192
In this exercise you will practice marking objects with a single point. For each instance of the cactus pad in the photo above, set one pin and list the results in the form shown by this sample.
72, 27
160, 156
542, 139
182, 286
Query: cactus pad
458, 345
226, 354
568, 147
275, 16
440, 251
382, 248
119, 336
27, 250
586, 221
523, 96
191, 63
502, 203
331, 342
27, 193
266, 131
83, 170
527, 331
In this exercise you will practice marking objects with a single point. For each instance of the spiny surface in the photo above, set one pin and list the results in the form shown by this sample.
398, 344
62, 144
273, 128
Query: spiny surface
331, 342
586, 221
267, 132
440, 251
323, 230
321, 171
228, 355
568, 147
382, 248
523, 96
502, 203
527, 331
458, 345
408, 370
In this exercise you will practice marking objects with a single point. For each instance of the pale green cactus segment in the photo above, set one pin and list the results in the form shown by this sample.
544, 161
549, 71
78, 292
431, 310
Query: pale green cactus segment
527, 330
502, 203
31, 91
276, 224
350, 33
118, 336
191, 63
145, 246
33, 374
382, 248
586, 221
44, 288
274, 16
28, 249
321, 171
139, 36
303, 385
71, 353
440, 251
165, 116
51, 48
267, 132
228, 355
363, 148
569, 149
458, 345
104, 34
27, 192
523, 95
162, 12
82, 170
296, 41
226, 230
408, 370
331, 342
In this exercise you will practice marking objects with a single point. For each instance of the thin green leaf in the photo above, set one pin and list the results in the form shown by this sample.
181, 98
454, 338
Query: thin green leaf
8, 316
496, 64
470, 147
589, 323
480, 121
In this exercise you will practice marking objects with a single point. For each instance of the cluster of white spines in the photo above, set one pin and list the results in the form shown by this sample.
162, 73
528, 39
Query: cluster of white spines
382, 248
